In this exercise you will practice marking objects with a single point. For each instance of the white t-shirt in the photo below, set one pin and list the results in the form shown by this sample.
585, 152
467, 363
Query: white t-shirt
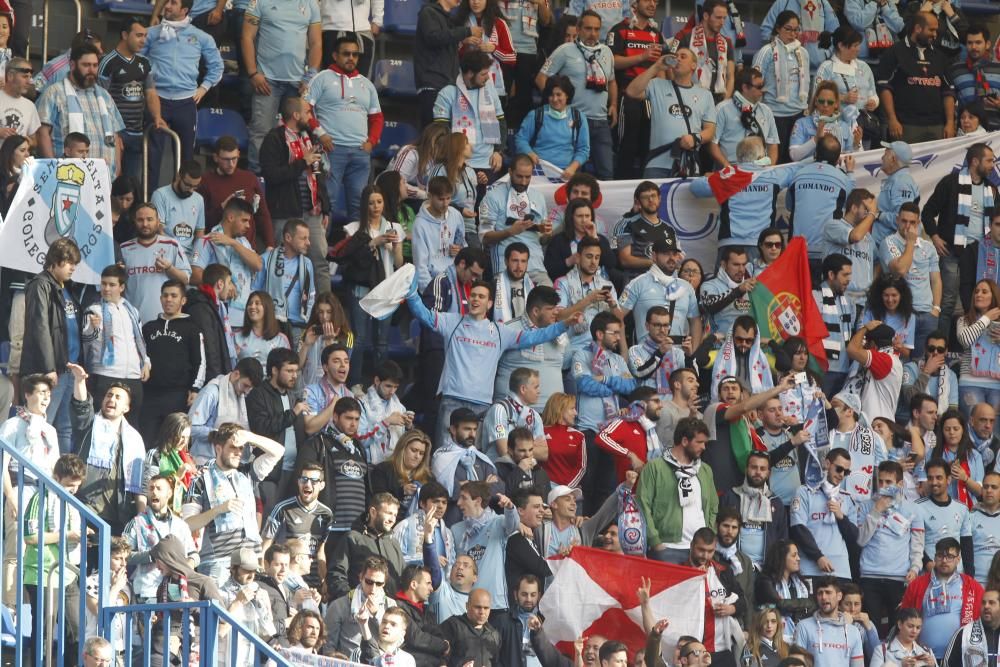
880, 395
694, 518
19, 114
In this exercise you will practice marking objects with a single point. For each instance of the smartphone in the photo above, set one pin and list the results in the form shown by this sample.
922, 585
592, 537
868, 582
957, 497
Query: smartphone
795, 428
678, 340
801, 378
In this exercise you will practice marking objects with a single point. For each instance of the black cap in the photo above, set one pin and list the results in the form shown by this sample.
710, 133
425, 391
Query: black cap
668, 243
882, 335
462, 416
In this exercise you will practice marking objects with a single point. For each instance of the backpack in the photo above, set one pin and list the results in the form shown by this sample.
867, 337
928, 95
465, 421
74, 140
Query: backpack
540, 116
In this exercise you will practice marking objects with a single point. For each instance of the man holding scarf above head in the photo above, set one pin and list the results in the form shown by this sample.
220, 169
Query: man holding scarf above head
112, 449
863, 445
877, 376
716, 65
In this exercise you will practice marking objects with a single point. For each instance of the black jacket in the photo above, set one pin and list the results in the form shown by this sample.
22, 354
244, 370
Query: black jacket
383, 479
279, 603
267, 417
559, 250
523, 558
344, 569
435, 53
511, 632
776, 530
481, 647
516, 479
206, 316
424, 640
174, 349
282, 176
941, 210
765, 591
46, 341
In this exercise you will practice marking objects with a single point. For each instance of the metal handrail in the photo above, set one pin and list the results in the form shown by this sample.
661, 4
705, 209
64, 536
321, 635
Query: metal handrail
45, 28
145, 156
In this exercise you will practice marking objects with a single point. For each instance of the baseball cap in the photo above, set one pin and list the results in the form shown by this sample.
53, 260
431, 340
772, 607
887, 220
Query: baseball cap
882, 335
245, 559
563, 490
668, 243
852, 401
901, 149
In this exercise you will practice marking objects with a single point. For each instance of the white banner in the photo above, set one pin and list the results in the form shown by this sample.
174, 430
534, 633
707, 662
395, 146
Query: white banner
60, 198
696, 220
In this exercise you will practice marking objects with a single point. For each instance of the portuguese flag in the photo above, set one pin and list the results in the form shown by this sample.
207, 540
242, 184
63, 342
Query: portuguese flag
783, 304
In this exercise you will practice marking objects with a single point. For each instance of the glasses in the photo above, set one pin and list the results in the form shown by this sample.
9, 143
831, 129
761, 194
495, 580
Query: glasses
841, 470
690, 272
658, 325
309, 480
372, 582
946, 556
773, 244
788, 28
934, 349
825, 102
350, 54
101, 661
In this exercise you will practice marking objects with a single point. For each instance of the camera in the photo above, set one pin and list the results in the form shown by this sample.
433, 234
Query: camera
596, 86
678, 340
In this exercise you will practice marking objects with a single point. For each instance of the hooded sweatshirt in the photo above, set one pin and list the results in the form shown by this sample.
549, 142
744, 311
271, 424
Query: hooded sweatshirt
171, 552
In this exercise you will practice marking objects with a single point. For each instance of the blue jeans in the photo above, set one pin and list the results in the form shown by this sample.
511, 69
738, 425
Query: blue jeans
264, 115
349, 170
59, 412
602, 156
217, 568
969, 397
926, 325
369, 334
446, 406
949, 293
182, 117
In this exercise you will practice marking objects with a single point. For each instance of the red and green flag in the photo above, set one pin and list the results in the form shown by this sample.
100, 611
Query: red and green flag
782, 302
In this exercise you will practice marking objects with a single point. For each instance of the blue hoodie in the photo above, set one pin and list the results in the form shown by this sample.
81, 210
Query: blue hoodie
897, 189
431, 240
175, 61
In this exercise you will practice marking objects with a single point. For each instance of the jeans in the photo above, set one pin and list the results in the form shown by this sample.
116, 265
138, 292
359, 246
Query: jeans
969, 397
217, 568
317, 248
926, 325
446, 406
370, 336
602, 156
182, 117
656, 172
132, 156
265, 115
59, 411
350, 167
949, 293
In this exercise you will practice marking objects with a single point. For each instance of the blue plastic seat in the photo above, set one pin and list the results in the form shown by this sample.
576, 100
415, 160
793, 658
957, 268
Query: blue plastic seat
395, 135
980, 7
124, 6
401, 16
673, 25
231, 73
215, 123
395, 78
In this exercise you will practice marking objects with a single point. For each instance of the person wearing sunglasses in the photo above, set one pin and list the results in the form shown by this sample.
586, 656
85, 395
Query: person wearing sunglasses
825, 116
303, 517
931, 375
770, 245
369, 596
823, 520
852, 76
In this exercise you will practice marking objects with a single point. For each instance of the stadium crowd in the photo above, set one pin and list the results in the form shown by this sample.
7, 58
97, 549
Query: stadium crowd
226, 402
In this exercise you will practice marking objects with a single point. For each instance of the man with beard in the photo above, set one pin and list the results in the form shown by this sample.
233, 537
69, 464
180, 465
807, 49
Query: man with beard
181, 208
823, 522
588, 287
943, 515
226, 182
512, 212
677, 493
349, 123
977, 75
979, 638
513, 412
913, 84
714, 59
640, 228
631, 440
289, 277
830, 635
723, 596
512, 284
947, 599
932, 377
520, 470
112, 449
661, 286
590, 65
147, 529
288, 160
151, 259
472, 105
761, 518
727, 296
343, 626
221, 499
306, 632
303, 518
371, 538
838, 311
77, 104
729, 552
957, 213
482, 535
458, 461
222, 400
512, 624
683, 402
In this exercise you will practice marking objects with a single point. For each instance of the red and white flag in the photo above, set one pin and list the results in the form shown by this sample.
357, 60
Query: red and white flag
593, 592
730, 181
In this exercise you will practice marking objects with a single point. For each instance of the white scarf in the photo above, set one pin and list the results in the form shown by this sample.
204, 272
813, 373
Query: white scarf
231, 408
485, 111
171, 28
705, 67
755, 504
832, 493
653, 446
812, 21
574, 282
378, 408
358, 599
503, 308
779, 55
446, 460
684, 472
726, 364
731, 556
674, 286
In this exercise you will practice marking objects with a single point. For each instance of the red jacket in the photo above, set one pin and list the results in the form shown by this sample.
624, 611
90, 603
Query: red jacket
621, 438
972, 596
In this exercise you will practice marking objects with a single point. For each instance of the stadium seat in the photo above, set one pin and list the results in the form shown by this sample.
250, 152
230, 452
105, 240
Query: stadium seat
215, 123
401, 16
755, 40
673, 25
395, 78
231, 73
980, 7
124, 6
394, 136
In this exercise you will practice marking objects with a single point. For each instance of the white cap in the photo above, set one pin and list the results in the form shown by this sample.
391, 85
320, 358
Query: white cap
563, 490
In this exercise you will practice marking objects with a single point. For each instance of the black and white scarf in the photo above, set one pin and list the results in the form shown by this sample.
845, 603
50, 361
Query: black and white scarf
839, 327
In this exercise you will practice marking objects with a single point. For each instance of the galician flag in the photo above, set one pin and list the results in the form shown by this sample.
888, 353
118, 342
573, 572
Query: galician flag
783, 304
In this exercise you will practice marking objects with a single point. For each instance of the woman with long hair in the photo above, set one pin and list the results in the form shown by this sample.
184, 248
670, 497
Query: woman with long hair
393, 187
170, 457
765, 645
770, 245
555, 132
784, 62
905, 446
852, 76
955, 446
891, 301
692, 271
794, 358
825, 116
579, 221
328, 324
978, 331
372, 252
903, 648
406, 469
780, 584
454, 165
414, 160
496, 39
261, 332
14, 151
567, 460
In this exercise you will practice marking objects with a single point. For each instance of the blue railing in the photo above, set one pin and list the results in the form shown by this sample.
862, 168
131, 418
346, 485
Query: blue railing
217, 644
45, 626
